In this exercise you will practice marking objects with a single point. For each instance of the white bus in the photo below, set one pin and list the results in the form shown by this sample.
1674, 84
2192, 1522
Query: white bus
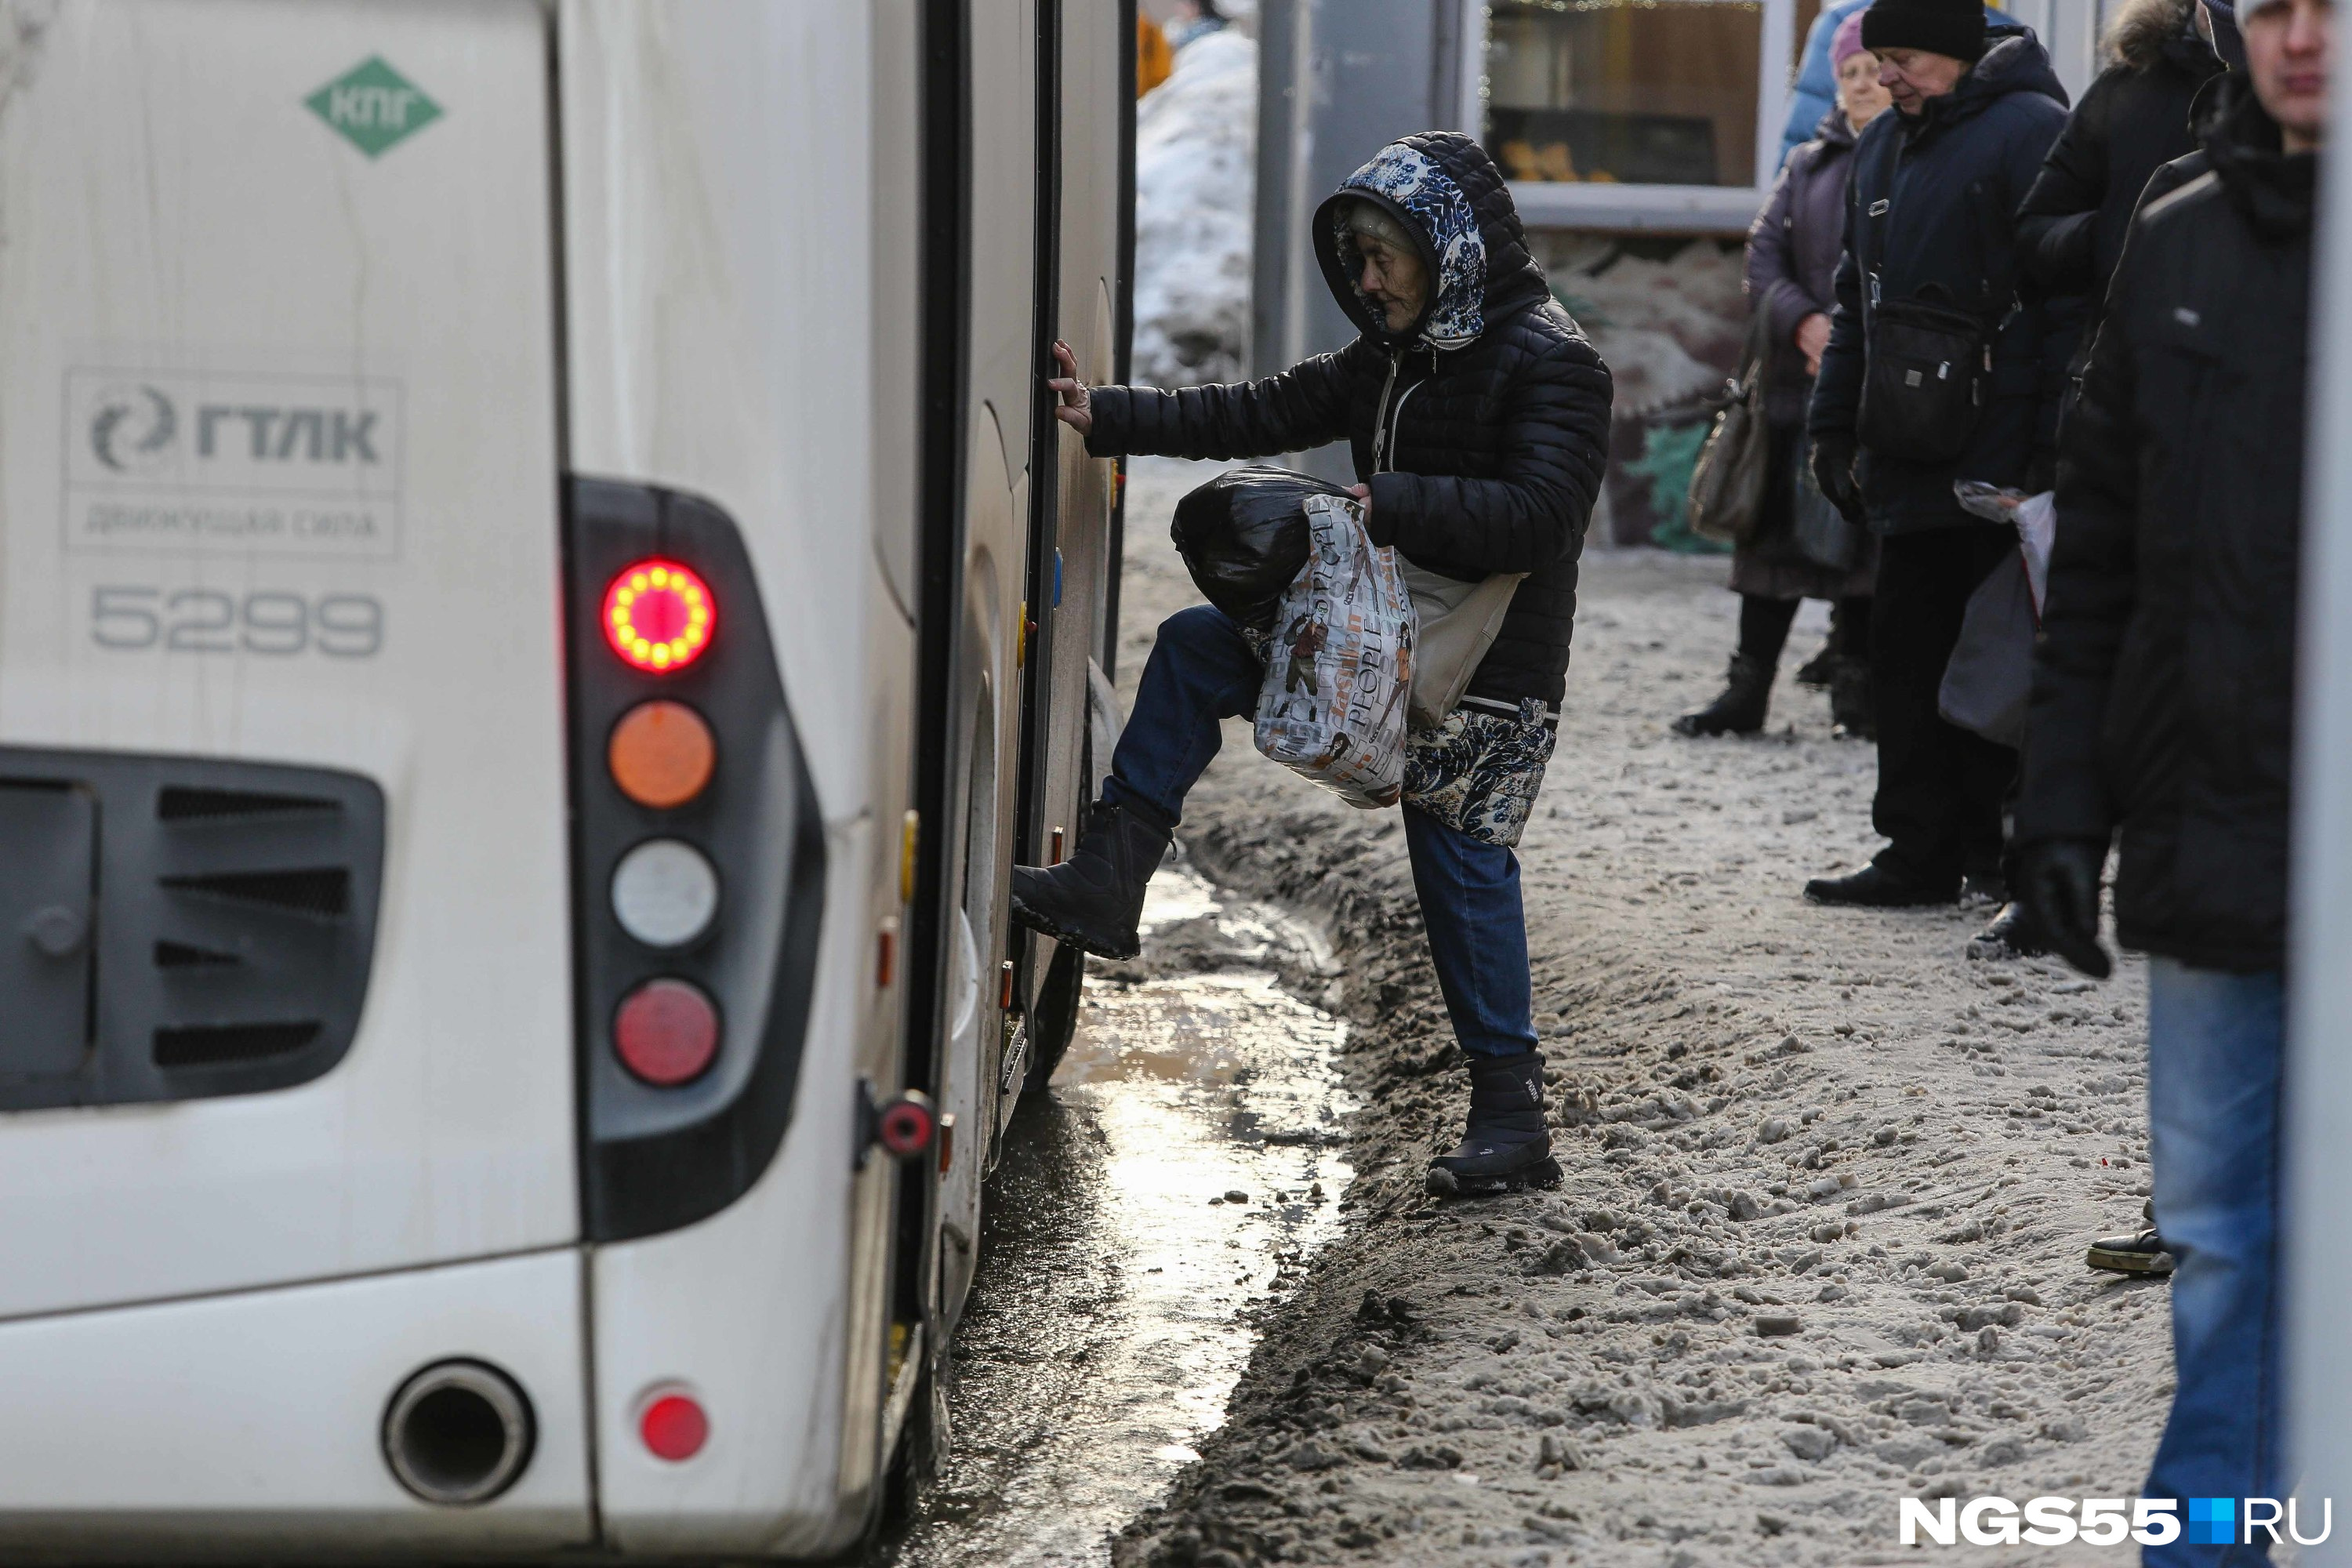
540, 599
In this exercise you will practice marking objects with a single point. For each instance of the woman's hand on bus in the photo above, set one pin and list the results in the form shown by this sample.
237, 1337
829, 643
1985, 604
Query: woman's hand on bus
1074, 405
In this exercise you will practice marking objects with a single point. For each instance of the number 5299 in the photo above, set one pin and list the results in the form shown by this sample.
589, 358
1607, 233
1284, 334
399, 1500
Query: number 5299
269, 622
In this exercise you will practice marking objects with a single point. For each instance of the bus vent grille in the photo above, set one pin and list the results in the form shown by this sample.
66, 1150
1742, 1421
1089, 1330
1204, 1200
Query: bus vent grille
223, 919
191, 803
211, 1045
323, 891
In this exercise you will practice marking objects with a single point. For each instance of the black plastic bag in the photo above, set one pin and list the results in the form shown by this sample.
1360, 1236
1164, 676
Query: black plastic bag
1245, 539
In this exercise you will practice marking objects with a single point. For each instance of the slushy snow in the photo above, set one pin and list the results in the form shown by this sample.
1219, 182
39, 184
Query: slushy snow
1195, 140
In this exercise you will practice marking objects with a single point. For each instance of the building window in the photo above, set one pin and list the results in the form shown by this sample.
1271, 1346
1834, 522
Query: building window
1626, 93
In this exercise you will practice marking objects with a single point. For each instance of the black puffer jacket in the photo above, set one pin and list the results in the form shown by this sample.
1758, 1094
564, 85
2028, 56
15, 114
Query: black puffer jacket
1483, 429
1931, 215
2132, 120
2163, 690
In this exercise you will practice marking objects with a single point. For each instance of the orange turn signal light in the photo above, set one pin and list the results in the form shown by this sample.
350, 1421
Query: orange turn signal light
661, 754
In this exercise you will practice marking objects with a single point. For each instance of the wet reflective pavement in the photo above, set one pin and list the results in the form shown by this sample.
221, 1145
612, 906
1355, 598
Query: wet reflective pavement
1185, 1163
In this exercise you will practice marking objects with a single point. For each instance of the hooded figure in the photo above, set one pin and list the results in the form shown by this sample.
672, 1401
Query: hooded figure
2133, 118
1478, 416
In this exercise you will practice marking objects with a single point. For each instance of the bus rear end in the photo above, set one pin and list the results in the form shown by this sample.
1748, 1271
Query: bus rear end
454, 735
290, 1117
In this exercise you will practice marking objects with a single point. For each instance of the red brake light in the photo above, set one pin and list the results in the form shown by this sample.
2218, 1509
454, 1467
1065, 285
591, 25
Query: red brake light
658, 615
666, 1032
673, 1428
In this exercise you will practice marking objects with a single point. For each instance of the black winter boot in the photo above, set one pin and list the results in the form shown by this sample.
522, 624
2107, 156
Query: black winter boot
1093, 900
1746, 694
1504, 1145
1820, 672
2013, 933
1851, 713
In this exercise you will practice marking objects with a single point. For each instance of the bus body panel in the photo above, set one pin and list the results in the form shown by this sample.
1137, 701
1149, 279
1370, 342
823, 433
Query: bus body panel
249, 1423
721, 218
999, 652
747, 1310
1074, 540
717, 289
279, 485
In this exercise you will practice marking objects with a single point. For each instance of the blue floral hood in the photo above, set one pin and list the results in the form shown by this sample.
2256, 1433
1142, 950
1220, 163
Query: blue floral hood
1448, 193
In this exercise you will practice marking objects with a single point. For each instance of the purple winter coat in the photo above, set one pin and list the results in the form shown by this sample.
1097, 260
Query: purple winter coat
1792, 256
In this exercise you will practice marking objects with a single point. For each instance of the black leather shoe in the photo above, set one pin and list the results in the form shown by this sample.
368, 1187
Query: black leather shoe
2011, 934
2142, 1253
1504, 1146
1747, 697
1093, 900
1874, 888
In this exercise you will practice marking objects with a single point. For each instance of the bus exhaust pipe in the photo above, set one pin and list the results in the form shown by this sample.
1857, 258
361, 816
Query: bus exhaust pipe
459, 1433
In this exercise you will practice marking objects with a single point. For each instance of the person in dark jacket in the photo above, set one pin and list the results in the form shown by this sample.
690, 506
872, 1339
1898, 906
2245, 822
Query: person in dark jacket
1792, 256
1478, 416
1815, 91
2163, 716
1930, 226
2132, 120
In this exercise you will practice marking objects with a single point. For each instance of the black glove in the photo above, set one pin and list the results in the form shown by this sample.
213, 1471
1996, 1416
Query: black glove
2058, 883
1833, 472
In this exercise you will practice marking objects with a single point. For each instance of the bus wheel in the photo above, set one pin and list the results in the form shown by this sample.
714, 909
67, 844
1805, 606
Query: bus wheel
1054, 1018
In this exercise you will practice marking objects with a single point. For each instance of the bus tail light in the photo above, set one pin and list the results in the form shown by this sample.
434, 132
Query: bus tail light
697, 861
661, 754
673, 1428
906, 1125
658, 615
667, 1032
665, 892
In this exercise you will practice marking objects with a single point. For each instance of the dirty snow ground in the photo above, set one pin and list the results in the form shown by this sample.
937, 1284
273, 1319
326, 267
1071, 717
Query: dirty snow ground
1828, 1182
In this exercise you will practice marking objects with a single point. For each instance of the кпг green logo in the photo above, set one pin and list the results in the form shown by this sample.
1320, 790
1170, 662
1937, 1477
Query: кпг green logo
373, 107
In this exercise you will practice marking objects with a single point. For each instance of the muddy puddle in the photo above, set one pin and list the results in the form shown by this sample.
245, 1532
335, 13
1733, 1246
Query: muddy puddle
1186, 1163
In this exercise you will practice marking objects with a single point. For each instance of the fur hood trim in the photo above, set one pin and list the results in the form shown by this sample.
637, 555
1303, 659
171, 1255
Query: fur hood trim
2139, 30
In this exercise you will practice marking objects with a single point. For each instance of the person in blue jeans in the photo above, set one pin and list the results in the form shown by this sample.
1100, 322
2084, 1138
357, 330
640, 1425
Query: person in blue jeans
2163, 717
1478, 415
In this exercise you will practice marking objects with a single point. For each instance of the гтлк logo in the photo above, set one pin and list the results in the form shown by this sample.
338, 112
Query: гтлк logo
131, 429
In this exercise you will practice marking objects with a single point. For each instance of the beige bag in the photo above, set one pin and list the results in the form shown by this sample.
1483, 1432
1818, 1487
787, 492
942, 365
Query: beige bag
1459, 621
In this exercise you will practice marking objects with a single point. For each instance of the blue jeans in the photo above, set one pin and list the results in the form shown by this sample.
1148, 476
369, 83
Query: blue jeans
1201, 672
2215, 1041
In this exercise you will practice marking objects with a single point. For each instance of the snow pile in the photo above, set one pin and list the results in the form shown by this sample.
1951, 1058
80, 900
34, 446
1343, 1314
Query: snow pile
1195, 137
1670, 330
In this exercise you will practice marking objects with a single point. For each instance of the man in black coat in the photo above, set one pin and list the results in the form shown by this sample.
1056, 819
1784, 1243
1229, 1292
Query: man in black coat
1478, 416
2163, 713
2133, 119
1930, 237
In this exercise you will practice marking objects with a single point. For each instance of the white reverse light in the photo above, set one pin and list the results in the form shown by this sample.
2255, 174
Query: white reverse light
664, 893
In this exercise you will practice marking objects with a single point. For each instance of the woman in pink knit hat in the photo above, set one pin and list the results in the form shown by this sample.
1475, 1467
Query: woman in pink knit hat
1792, 256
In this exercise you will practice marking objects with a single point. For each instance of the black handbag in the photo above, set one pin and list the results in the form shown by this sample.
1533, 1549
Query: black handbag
1926, 371
1727, 487
1823, 534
